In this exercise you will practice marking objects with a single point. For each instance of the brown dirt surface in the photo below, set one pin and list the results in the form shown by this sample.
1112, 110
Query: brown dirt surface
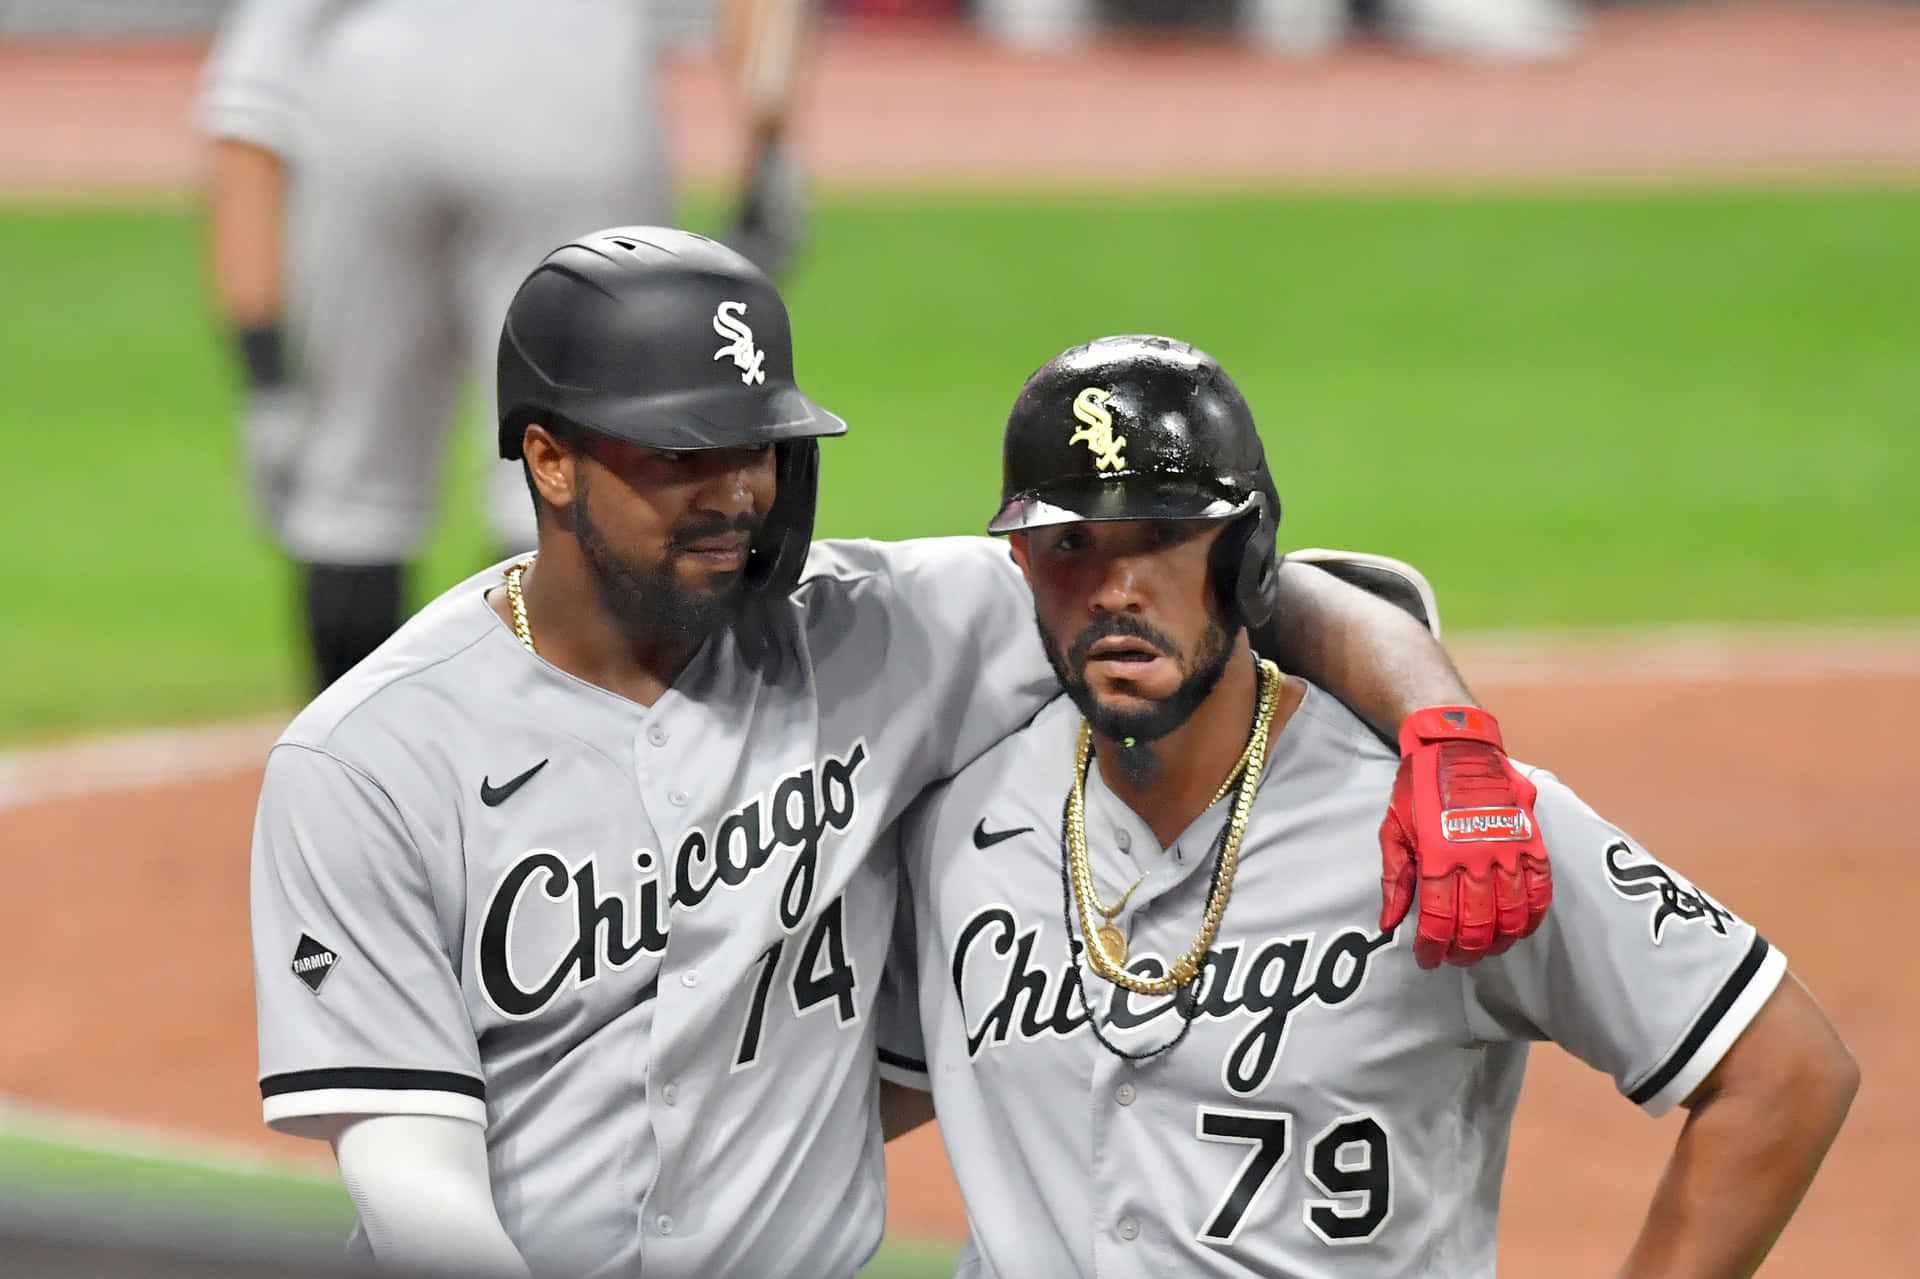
1761, 89
129, 994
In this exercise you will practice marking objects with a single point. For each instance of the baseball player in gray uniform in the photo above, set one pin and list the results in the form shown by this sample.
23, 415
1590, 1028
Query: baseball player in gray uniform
1160, 1027
384, 174
570, 903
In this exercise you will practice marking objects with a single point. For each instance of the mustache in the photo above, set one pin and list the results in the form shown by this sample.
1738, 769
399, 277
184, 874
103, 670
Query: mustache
716, 526
1120, 624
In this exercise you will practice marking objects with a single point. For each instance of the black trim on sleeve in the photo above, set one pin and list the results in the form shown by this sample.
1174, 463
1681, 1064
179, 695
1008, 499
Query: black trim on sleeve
901, 1060
1749, 965
373, 1077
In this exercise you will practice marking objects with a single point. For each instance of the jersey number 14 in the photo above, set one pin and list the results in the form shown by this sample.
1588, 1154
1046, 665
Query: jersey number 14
821, 976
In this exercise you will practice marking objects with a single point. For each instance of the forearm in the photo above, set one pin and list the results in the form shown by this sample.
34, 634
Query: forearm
1750, 1147
1375, 657
903, 1109
764, 39
420, 1185
245, 196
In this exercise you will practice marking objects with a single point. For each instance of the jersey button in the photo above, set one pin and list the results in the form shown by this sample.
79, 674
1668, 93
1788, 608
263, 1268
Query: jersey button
678, 798
690, 979
1129, 1229
1124, 1094
664, 1224
1123, 839
657, 735
670, 1095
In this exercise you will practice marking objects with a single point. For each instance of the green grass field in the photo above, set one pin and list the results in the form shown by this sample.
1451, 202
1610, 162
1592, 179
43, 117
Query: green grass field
1568, 408
303, 1211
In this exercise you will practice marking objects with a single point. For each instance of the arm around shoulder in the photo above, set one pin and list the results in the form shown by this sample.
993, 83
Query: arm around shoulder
1373, 646
1366, 629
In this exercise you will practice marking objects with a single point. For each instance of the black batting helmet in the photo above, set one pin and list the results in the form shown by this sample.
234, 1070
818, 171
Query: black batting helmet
673, 341
1146, 428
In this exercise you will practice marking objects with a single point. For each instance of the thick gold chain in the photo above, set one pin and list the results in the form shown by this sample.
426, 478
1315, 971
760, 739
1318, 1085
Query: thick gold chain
1186, 966
521, 631
1233, 775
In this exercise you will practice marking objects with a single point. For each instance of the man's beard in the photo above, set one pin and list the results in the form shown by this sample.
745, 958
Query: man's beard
1149, 723
649, 598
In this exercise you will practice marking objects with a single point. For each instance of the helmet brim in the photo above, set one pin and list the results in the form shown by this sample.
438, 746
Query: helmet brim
1114, 499
706, 419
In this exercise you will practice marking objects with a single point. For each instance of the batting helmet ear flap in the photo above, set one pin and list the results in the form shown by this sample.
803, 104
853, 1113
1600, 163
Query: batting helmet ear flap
780, 551
1246, 563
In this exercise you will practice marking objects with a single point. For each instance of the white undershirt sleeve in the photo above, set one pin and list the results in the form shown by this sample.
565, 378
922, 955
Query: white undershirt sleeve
420, 1185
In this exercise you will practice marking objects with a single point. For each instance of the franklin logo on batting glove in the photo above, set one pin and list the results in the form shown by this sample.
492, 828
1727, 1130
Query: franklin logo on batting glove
1462, 824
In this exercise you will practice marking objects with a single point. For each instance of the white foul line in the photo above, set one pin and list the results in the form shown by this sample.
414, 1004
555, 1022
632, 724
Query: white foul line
1490, 660
126, 760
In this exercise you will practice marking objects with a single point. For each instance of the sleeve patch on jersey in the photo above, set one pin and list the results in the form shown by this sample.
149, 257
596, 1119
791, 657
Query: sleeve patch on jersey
1673, 897
1710, 1017
313, 963
369, 1077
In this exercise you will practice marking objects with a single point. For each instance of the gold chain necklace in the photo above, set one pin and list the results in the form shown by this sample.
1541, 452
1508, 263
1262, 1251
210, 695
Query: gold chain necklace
1110, 936
1115, 940
518, 601
1186, 966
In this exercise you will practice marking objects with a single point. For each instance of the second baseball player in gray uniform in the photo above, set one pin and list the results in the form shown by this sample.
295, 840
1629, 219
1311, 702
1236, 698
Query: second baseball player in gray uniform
570, 903
430, 153
1164, 1033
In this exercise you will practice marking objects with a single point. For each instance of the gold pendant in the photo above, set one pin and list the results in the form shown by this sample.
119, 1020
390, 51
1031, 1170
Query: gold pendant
1114, 941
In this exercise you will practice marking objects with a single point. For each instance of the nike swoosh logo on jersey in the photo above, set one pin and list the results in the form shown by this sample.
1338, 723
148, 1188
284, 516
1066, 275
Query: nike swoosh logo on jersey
983, 838
494, 796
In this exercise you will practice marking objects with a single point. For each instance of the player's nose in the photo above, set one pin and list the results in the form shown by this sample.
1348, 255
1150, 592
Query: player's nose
734, 483
1118, 589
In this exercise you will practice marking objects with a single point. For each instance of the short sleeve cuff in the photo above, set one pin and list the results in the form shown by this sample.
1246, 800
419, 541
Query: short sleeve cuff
908, 1072
1729, 1013
248, 117
288, 1099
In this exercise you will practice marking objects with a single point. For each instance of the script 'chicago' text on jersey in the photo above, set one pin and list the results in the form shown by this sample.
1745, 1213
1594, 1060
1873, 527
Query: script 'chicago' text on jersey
794, 816
1280, 975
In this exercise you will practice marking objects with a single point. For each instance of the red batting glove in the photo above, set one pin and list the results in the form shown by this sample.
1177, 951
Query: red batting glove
1463, 815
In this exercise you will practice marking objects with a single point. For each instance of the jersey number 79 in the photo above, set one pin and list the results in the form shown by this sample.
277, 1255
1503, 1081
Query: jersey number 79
1347, 1162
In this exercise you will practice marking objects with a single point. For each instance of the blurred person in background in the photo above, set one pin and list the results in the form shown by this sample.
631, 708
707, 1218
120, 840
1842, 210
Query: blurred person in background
1492, 30
384, 173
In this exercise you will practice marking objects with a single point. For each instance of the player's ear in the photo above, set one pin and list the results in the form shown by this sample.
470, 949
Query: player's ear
1017, 547
551, 465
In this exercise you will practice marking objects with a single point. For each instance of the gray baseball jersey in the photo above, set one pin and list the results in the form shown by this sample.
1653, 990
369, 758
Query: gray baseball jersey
641, 945
1333, 1109
436, 151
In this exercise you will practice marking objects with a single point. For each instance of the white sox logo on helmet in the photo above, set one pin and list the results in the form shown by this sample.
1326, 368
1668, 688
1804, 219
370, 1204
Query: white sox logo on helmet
746, 357
1096, 429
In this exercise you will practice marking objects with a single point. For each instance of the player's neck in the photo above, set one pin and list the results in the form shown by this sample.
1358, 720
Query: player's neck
1171, 781
574, 630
